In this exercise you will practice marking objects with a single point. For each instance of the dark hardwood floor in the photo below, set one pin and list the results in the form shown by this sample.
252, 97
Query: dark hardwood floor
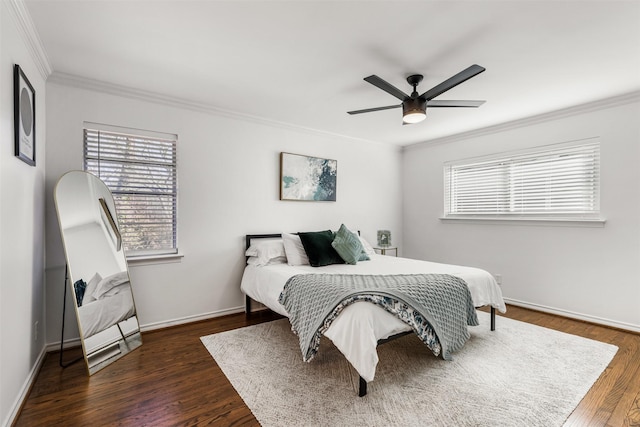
173, 381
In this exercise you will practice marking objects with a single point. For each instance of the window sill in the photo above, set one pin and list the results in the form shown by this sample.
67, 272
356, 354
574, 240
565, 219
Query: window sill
137, 261
552, 222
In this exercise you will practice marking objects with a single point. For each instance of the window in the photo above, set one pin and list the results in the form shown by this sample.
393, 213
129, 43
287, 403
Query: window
139, 167
558, 181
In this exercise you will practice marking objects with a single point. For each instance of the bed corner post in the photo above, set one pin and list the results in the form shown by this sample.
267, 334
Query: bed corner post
493, 318
247, 305
363, 388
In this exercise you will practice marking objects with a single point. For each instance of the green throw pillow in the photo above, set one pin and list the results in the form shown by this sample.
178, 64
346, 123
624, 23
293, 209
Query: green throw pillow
348, 246
364, 256
317, 245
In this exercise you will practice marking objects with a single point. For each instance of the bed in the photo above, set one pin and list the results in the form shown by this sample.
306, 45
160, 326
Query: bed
361, 326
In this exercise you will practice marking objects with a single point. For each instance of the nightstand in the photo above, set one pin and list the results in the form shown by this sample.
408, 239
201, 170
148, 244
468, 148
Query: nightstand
383, 249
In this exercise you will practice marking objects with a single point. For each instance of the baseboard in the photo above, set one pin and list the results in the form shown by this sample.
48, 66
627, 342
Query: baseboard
68, 344
573, 315
189, 319
259, 307
24, 391
75, 342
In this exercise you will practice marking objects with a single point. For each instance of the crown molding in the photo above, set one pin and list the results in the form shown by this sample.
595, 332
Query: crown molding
27, 30
613, 101
72, 80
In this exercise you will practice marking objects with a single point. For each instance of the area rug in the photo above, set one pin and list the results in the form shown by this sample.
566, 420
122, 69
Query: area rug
518, 375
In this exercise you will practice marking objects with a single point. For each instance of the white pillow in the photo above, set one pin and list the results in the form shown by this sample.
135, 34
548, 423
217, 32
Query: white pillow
254, 260
296, 255
265, 250
91, 288
367, 247
110, 282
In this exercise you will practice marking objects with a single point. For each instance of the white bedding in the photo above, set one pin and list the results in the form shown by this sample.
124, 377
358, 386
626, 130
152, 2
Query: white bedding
98, 315
356, 331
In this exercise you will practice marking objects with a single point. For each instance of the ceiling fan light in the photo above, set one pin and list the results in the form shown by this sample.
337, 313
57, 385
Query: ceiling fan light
415, 116
414, 110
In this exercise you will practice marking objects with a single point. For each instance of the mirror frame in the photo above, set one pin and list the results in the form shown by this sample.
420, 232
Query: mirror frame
122, 335
112, 223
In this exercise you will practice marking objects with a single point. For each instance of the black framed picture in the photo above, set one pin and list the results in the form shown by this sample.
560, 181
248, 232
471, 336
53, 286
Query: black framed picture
24, 107
384, 238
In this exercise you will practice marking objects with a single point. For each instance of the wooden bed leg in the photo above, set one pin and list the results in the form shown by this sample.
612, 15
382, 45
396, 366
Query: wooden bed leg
493, 318
363, 388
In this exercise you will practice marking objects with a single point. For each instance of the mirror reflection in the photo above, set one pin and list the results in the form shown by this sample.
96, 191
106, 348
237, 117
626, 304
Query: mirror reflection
97, 269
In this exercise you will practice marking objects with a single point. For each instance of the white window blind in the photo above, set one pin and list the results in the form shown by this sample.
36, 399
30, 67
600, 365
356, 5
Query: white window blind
139, 168
560, 181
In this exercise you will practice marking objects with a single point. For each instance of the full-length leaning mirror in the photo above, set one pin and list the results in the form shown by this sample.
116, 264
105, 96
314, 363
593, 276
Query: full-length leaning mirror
97, 269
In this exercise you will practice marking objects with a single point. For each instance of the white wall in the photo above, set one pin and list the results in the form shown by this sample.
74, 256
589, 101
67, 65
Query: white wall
21, 228
228, 178
591, 273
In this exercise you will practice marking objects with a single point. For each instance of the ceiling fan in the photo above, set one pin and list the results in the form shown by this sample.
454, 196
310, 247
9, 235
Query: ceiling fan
414, 106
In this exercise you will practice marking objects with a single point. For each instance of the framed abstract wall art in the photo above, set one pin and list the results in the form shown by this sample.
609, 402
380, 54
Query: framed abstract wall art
307, 178
24, 105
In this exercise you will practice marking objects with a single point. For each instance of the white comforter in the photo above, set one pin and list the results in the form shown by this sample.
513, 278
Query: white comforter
356, 331
101, 314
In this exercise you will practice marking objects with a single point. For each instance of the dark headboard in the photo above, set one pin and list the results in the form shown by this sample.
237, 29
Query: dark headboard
248, 238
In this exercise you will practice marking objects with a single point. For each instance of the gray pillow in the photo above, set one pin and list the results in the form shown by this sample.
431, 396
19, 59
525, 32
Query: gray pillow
348, 246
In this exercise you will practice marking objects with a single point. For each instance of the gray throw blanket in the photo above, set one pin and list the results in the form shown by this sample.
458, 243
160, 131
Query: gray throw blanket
439, 301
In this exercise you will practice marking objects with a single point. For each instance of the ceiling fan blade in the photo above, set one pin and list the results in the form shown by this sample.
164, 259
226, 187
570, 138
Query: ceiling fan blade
452, 82
369, 110
387, 87
436, 103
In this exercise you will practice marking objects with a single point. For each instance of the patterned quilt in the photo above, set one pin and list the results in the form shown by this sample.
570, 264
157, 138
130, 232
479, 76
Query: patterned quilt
437, 306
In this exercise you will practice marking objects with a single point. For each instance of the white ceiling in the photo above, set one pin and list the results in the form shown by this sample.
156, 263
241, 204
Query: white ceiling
302, 62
